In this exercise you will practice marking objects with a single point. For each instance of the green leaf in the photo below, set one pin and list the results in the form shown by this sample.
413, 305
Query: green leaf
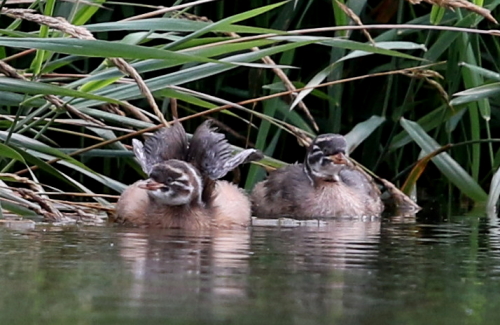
226, 21
481, 71
383, 48
13, 99
437, 14
108, 153
494, 191
430, 121
14, 33
8, 152
176, 25
86, 12
40, 56
97, 48
446, 38
111, 117
447, 165
361, 131
476, 93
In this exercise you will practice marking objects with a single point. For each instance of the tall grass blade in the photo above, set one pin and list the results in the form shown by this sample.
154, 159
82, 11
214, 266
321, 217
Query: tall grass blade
494, 193
361, 131
445, 163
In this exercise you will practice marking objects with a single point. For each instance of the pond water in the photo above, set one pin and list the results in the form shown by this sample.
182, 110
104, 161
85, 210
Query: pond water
383, 271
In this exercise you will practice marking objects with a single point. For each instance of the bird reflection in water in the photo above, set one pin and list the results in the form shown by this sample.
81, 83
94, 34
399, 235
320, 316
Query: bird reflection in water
170, 266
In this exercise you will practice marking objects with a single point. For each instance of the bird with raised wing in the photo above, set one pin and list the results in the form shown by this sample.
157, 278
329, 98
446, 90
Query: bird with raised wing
183, 189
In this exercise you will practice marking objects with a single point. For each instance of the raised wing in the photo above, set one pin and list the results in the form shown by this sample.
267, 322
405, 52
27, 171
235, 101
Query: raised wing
165, 144
139, 154
210, 152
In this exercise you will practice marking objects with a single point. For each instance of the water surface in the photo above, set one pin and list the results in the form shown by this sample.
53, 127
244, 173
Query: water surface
383, 271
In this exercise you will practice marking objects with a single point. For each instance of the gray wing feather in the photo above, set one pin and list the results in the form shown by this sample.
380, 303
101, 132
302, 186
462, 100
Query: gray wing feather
165, 144
212, 154
240, 158
139, 154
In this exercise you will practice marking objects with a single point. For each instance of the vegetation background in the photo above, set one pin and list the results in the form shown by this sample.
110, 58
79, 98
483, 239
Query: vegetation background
420, 83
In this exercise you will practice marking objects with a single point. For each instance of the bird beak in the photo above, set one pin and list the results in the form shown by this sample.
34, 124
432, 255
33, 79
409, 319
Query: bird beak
339, 158
150, 185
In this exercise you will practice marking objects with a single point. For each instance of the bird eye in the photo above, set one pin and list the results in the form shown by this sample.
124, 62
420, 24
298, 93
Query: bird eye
170, 179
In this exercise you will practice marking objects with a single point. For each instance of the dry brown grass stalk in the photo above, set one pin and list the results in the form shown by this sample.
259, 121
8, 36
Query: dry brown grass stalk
51, 209
451, 4
18, 55
42, 206
47, 210
303, 138
429, 76
46, 207
356, 19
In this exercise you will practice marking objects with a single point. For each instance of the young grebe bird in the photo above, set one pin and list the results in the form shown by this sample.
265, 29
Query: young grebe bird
183, 189
326, 185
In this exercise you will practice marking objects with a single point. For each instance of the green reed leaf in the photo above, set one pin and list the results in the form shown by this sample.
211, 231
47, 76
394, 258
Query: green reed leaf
494, 193
361, 131
445, 163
